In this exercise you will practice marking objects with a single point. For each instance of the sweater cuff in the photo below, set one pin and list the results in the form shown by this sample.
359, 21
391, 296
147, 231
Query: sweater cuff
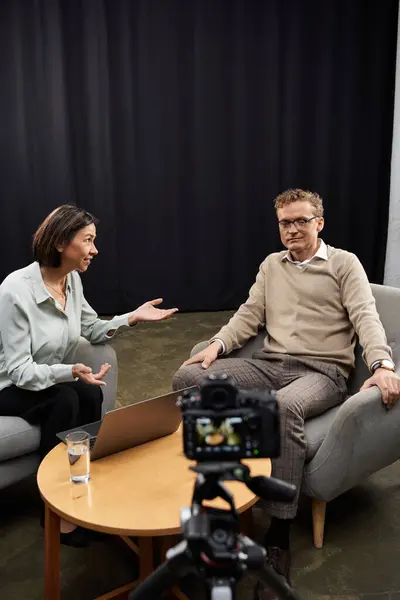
376, 356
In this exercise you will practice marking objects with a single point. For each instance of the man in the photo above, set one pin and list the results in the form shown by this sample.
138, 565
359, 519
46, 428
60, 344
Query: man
312, 299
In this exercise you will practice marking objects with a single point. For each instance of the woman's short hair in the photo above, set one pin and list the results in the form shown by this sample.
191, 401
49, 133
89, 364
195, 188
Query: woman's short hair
57, 230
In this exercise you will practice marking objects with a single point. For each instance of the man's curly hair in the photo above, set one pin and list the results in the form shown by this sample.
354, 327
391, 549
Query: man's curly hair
298, 195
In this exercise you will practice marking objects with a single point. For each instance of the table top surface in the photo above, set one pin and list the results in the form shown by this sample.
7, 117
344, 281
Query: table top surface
136, 492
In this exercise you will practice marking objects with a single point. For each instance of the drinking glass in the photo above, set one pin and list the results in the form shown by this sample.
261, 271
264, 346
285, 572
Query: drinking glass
78, 448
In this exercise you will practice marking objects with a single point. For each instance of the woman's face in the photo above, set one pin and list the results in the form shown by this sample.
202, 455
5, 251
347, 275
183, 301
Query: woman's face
76, 255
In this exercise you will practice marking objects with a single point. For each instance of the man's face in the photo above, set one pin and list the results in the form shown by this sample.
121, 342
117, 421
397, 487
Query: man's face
302, 236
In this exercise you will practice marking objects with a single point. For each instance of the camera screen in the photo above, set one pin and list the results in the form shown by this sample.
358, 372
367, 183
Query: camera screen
215, 434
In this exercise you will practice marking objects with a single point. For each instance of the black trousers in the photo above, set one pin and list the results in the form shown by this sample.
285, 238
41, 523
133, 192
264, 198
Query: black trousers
59, 407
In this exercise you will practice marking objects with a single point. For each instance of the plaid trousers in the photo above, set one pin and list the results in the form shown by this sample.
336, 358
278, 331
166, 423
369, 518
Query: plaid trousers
305, 389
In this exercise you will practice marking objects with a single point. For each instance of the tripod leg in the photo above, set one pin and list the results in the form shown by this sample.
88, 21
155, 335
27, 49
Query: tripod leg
165, 576
276, 584
163, 545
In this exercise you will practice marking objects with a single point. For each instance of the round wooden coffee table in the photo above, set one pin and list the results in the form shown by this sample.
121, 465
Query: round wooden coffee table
138, 492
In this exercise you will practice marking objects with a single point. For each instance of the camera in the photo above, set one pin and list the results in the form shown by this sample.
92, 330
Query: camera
221, 422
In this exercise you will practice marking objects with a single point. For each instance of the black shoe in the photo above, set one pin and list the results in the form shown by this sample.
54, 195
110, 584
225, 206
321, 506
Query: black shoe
97, 536
279, 560
77, 538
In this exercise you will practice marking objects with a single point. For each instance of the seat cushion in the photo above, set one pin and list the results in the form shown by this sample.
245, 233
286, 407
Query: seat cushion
17, 437
15, 469
316, 429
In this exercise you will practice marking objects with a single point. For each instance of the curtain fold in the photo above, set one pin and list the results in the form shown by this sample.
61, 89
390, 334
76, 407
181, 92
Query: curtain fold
177, 123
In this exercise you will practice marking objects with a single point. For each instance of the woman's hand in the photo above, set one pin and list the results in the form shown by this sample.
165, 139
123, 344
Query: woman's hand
86, 375
149, 312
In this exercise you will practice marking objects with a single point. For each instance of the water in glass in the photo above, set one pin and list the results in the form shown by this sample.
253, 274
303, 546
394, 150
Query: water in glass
79, 461
78, 449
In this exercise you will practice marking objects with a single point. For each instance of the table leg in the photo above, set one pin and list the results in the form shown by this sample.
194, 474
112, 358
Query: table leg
165, 543
121, 593
51, 555
146, 557
247, 523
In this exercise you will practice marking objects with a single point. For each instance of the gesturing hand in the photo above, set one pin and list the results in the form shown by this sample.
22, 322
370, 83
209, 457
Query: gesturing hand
388, 383
149, 312
86, 375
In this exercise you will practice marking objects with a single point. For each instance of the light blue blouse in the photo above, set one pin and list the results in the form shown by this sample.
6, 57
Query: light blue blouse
36, 335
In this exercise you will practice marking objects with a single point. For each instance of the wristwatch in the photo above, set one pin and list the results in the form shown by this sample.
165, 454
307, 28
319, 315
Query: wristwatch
383, 364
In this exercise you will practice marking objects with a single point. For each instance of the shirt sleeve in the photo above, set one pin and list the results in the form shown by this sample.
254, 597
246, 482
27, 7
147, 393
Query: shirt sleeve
16, 341
97, 330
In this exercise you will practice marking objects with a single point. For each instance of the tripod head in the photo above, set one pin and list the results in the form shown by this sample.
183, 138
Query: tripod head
213, 535
213, 546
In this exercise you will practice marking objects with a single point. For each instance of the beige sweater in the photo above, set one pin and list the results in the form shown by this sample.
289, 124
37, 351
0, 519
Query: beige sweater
312, 312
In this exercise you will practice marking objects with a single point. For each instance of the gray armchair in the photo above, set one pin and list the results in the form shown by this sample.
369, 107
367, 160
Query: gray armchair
349, 442
19, 441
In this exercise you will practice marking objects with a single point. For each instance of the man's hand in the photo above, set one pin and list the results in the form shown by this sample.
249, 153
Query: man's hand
85, 374
206, 357
149, 312
389, 384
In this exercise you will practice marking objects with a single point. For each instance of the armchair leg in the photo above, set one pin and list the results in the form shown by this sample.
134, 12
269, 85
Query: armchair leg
318, 519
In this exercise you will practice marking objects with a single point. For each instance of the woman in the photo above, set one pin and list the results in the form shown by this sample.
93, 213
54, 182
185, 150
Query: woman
43, 312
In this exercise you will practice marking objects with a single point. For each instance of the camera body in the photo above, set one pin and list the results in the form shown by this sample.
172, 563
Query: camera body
222, 423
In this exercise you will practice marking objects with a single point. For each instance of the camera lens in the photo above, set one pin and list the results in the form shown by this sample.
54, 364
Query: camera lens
223, 538
219, 398
220, 536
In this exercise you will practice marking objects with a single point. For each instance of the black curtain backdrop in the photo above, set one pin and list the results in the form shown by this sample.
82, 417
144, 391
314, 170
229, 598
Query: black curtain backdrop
177, 122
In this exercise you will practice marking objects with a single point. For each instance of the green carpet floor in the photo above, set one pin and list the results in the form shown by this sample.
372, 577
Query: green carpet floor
362, 544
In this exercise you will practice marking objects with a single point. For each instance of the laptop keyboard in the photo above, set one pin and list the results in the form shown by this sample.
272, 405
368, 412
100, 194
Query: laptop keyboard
92, 442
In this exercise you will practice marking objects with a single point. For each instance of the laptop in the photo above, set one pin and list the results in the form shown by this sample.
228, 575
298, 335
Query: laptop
132, 425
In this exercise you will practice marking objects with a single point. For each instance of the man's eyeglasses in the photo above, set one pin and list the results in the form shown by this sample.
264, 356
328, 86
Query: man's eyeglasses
298, 223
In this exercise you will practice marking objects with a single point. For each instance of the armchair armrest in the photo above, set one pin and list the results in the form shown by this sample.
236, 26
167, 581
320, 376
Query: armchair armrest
94, 355
362, 439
